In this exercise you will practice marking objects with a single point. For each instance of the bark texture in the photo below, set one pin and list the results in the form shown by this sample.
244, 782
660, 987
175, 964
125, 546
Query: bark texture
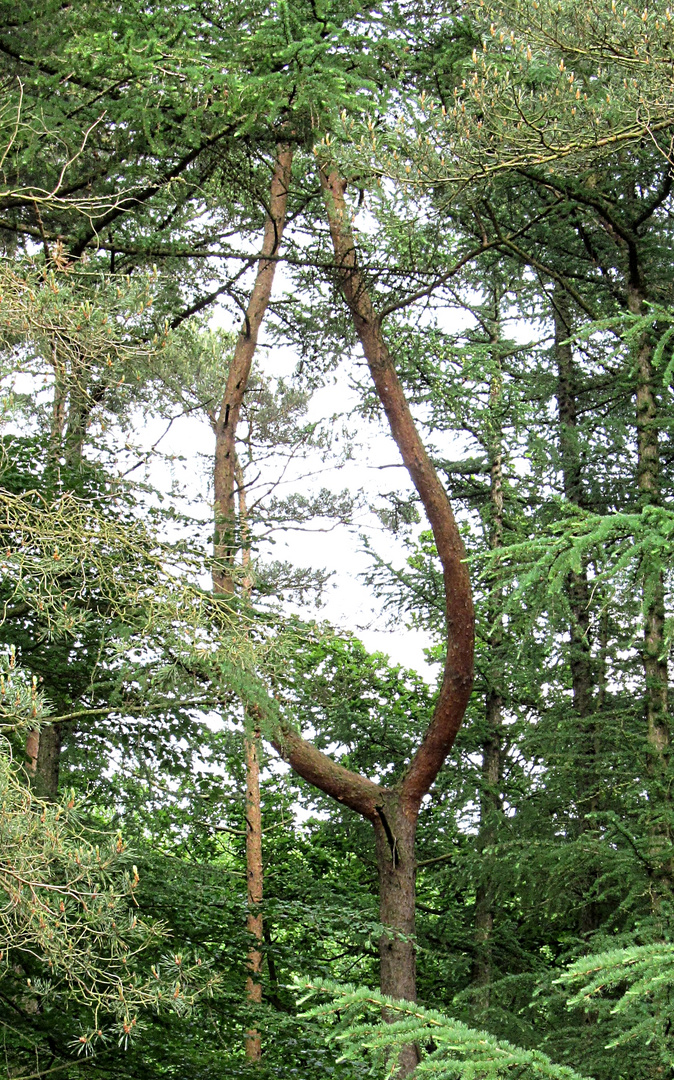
50, 740
395, 829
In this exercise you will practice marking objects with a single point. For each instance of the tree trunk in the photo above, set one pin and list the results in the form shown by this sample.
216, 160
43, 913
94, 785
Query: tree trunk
395, 832
648, 483
43, 748
395, 829
580, 657
457, 680
227, 419
490, 795
653, 593
254, 869
254, 880
49, 760
229, 489
490, 810
394, 813
577, 586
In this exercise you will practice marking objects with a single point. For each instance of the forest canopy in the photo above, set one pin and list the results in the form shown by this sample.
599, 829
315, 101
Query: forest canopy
336, 535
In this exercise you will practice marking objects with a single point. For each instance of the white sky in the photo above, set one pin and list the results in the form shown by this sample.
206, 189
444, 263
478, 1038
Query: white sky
348, 603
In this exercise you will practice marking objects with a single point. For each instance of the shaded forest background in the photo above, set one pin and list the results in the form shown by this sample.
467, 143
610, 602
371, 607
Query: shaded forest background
226, 828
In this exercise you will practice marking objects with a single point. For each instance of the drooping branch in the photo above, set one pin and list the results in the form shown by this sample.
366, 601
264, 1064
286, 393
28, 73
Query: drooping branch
458, 673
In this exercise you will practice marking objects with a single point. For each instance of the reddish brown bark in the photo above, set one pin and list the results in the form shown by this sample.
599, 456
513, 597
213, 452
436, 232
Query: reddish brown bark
394, 812
227, 419
254, 881
229, 489
254, 868
457, 678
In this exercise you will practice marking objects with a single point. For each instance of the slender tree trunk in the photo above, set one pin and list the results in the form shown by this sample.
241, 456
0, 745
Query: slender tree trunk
648, 483
254, 869
254, 880
227, 419
577, 586
580, 658
43, 748
490, 794
653, 599
490, 811
229, 489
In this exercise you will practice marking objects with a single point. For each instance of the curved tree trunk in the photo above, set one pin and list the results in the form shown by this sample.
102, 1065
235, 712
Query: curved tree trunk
394, 813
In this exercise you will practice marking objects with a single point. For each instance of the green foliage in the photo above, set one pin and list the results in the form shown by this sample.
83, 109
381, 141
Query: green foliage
504, 157
635, 984
449, 1048
70, 934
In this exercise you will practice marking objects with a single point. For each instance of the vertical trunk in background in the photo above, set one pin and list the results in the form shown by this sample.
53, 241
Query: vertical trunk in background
73, 405
254, 885
577, 585
226, 421
569, 453
254, 869
490, 795
43, 748
648, 483
653, 598
232, 532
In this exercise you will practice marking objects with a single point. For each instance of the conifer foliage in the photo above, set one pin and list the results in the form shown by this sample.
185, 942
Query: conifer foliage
212, 802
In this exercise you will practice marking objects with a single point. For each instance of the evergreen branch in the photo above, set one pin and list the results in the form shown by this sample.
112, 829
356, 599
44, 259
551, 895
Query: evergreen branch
453, 1051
